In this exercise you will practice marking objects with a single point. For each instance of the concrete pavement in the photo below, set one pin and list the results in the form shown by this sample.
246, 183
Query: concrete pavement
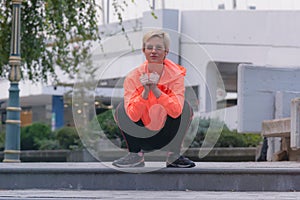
206, 176
148, 195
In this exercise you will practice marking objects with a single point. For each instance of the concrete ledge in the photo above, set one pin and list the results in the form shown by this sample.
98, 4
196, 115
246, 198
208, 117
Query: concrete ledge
234, 154
276, 127
216, 155
208, 176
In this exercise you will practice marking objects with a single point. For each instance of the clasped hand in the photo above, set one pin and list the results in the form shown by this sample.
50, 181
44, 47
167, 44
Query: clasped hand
149, 82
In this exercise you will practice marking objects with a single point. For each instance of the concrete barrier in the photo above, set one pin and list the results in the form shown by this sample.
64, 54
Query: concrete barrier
295, 123
216, 155
206, 176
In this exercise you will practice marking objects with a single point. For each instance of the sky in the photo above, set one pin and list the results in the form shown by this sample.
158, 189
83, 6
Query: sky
135, 8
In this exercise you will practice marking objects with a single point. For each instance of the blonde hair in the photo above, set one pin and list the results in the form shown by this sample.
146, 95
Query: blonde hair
160, 34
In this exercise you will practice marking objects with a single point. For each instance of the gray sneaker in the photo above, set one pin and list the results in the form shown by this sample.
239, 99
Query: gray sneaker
130, 160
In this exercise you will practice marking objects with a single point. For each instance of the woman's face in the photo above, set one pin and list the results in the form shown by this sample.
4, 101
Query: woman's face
154, 50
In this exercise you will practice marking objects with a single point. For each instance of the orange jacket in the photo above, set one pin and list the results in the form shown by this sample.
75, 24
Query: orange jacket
153, 111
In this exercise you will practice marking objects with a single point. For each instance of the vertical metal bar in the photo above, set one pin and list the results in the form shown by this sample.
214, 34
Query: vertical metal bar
12, 139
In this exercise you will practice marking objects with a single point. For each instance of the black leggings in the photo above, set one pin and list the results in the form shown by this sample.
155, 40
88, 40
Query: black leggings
169, 138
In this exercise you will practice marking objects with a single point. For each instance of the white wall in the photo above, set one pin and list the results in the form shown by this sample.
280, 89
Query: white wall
265, 38
258, 88
259, 37
26, 88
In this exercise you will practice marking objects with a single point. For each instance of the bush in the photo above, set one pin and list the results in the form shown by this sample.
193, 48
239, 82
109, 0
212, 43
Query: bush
34, 136
230, 139
235, 139
227, 138
46, 144
108, 125
39, 136
68, 138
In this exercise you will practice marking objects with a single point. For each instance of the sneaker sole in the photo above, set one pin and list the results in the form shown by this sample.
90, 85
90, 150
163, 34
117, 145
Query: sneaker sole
142, 164
181, 166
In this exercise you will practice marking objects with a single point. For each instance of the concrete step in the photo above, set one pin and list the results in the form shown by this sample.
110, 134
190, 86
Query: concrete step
206, 176
215, 155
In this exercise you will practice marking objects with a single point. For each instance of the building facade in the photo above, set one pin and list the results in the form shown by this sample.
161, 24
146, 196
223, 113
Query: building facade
210, 44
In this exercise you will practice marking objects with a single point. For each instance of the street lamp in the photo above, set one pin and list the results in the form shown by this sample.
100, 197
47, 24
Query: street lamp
13, 122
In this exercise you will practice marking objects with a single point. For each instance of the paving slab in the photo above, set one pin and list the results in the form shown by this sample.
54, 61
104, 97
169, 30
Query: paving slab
206, 176
147, 195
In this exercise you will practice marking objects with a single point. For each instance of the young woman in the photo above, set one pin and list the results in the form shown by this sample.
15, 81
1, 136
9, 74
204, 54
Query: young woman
154, 114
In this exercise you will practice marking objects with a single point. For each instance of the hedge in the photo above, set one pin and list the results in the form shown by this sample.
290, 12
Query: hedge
39, 136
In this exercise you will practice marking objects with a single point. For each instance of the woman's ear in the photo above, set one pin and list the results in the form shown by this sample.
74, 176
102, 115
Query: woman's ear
167, 51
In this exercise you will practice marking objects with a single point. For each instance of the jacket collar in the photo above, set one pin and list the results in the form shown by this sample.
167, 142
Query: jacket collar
171, 71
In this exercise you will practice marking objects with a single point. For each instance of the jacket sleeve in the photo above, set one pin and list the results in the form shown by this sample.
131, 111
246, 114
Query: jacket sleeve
173, 100
133, 101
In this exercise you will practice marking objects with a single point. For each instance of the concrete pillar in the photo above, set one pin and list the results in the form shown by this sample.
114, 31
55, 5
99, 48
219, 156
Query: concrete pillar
283, 109
295, 123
